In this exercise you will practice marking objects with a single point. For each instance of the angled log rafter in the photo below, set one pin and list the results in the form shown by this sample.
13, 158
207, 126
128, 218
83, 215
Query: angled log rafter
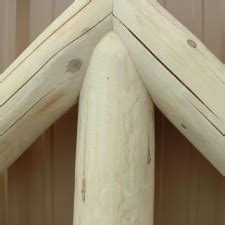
115, 144
184, 79
44, 82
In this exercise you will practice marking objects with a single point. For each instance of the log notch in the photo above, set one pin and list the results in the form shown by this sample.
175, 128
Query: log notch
115, 148
184, 79
44, 82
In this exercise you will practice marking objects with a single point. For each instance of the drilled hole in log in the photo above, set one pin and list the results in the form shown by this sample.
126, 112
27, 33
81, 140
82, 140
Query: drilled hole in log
183, 126
192, 43
74, 65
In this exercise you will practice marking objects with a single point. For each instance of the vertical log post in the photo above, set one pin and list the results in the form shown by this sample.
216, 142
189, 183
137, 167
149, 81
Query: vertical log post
114, 182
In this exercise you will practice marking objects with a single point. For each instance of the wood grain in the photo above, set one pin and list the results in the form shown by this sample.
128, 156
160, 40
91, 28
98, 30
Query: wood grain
114, 181
196, 108
34, 89
198, 17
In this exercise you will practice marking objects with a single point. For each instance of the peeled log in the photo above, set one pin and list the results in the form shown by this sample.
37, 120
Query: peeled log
45, 81
182, 76
172, 98
114, 181
184, 79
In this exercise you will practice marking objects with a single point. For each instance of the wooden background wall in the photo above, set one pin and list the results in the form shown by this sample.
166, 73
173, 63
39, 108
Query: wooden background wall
38, 188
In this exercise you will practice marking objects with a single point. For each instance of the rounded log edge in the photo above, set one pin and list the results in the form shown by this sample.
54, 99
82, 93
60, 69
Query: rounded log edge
114, 182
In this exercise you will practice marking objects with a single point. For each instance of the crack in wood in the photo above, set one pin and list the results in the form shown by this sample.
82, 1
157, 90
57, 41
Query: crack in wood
38, 101
1, 134
206, 118
183, 28
170, 71
1, 105
82, 8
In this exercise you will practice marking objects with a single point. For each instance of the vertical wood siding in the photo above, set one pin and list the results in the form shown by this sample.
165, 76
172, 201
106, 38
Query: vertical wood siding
8, 32
38, 188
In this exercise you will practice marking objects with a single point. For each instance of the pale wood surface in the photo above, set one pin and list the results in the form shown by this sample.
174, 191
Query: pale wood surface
47, 89
197, 190
199, 75
114, 181
8, 32
199, 18
50, 161
185, 83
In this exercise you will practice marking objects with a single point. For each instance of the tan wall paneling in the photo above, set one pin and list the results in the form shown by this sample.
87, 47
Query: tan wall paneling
7, 55
8, 32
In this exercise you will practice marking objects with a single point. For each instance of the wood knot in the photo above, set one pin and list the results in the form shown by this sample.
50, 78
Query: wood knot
74, 65
192, 43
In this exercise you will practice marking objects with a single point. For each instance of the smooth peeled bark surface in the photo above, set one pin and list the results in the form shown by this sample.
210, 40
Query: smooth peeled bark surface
172, 98
45, 81
185, 80
115, 145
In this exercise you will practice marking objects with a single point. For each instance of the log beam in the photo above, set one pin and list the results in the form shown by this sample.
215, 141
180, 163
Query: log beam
114, 181
44, 82
185, 80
